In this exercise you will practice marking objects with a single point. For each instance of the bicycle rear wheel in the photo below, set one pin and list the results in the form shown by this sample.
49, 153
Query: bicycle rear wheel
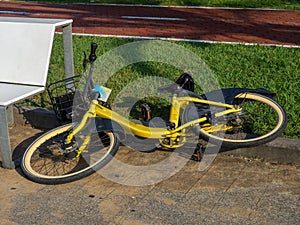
262, 120
44, 162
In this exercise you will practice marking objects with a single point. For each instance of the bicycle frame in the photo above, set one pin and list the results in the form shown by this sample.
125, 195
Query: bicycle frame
140, 130
172, 133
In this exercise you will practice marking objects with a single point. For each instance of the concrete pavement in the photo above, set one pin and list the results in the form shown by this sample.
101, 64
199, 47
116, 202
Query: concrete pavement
232, 190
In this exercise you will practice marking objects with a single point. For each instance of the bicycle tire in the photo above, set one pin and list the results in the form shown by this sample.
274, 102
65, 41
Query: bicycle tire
255, 130
42, 162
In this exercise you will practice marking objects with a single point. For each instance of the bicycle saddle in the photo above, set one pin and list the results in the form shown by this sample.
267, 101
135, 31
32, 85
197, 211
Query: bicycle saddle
172, 88
184, 82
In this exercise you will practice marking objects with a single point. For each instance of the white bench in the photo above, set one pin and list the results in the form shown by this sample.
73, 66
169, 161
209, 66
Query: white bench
25, 50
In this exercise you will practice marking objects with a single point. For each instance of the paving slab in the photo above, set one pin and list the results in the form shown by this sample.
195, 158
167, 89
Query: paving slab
232, 190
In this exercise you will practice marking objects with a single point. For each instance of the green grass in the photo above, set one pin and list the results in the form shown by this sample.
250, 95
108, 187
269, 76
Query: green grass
273, 68
286, 4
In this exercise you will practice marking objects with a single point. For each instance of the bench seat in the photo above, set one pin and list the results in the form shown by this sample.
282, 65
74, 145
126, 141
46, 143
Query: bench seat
12, 93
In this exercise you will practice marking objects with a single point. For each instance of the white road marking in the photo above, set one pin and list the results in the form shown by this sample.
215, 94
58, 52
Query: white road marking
153, 18
187, 40
15, 12
187, 7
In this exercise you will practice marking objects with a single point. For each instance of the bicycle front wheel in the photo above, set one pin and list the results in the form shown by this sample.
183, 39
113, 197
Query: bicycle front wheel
262, 120
45, 162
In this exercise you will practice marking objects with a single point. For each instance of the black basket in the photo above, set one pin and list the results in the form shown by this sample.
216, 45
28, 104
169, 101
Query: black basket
62, 95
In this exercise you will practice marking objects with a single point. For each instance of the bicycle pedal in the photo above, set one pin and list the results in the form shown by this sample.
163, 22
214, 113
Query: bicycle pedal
67, 148
145, 110
71, 155
198, 153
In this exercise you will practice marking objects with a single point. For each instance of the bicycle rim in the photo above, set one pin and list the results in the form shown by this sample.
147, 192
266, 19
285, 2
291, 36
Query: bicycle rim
44, 162
262, 121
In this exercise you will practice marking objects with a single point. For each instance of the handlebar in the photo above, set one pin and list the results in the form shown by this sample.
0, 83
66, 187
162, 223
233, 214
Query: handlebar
89, 85
93, 55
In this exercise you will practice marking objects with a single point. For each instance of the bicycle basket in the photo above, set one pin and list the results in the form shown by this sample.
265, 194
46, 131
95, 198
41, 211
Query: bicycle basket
62, 95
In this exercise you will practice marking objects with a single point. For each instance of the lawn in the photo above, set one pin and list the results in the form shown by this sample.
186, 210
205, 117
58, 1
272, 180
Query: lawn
273, 68
286, 4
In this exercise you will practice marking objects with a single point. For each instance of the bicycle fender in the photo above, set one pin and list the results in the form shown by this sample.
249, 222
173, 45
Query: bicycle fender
227, 95
110, 125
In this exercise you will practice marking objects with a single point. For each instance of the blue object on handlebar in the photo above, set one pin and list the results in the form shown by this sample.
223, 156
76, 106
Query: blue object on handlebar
98, 88
103, 91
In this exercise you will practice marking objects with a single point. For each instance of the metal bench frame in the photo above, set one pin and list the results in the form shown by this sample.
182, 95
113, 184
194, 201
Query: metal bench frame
25, 50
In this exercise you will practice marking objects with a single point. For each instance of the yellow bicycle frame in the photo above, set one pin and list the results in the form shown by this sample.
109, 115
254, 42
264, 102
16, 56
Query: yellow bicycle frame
98, 110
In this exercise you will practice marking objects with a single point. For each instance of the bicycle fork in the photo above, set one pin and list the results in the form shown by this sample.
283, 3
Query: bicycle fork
91, 113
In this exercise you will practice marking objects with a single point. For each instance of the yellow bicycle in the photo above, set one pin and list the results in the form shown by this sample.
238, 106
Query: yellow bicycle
246, 117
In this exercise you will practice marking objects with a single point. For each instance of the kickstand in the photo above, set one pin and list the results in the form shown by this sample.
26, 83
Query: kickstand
198, 153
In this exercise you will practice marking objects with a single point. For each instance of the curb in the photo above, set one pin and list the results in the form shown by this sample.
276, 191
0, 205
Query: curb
282, 150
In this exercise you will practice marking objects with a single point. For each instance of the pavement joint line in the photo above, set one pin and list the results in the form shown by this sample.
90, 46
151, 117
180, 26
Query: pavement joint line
207, 170
114, 188
198, 180
229, 186
259, 200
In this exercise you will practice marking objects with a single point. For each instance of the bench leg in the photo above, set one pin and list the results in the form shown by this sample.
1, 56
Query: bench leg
68, 51
4, 140
10, 115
